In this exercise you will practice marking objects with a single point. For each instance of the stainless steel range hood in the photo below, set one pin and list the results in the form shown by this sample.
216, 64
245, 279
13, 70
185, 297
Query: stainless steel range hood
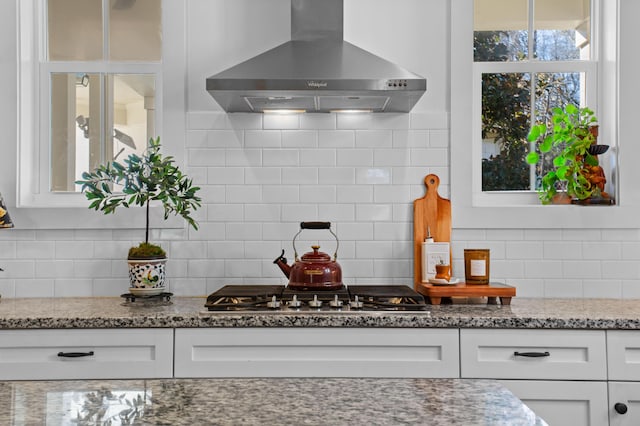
317, 71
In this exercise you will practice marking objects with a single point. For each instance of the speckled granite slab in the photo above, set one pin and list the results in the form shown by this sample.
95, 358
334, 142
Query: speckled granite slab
190, 312
263, 402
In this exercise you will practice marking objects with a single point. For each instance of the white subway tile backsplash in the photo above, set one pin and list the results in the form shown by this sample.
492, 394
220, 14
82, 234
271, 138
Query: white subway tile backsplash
8, 249
226, 250
206, 157
333, 212
189, 249
92, 269
299, 175
631, 289
243, 121
545, 269
244, 268
599, 250
55, 268
262, 138
429, 120
280, 157
439, 138
374, 139
619, 269
354, 194
263, 213
318, 121
391, 194
432, 157
524, 250
281, 121
563, 288
581, 269
72, 288
225, 212
374, 212
392, 157
299, 139
281, 194
202, 268
562, 250
403, 139
505, 234
318, 157
373, 175
528, 287
74, 250
190, 287
225, 175
300, 212
34, 288
595, 288
243, 158
336, 139
374, 249
354, 157
336, 175
206, 231
581, 234
502, 269
630, 250
243, 231
262, 176
355, 231
243, 194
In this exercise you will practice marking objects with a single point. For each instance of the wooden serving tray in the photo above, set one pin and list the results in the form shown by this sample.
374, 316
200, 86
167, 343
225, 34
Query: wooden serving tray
434, 293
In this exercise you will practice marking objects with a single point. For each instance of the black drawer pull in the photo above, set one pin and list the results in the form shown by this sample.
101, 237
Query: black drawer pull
74, 354
531, 354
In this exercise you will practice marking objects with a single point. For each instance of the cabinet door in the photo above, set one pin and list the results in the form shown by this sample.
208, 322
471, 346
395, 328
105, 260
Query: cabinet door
562, 402
86, 354
623, 350
533, 354
627, 394
316, 352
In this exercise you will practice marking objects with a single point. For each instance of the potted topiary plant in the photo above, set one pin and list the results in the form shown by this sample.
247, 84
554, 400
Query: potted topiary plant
571, 139
146, 178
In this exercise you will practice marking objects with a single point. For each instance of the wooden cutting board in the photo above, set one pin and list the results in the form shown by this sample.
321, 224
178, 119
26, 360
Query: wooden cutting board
432, 212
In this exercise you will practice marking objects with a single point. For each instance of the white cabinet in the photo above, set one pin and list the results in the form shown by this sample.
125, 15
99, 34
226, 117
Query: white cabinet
624, 404
563, 402
623, 350
316, 352
86, 354
560, 374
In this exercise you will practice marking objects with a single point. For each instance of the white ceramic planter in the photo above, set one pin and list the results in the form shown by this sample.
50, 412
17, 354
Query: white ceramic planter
147, 276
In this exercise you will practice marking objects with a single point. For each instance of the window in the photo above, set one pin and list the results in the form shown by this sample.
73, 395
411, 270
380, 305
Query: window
528, 58
540, 53
93, 82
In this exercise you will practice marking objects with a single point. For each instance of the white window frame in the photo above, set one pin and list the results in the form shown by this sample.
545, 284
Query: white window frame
70, 210
471, 208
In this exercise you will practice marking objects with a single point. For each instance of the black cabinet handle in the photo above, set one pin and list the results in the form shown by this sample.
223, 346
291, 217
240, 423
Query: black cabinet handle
74, 354
532, 354
620, 408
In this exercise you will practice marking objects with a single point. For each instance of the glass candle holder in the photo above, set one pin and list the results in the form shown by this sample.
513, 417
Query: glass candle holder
476, 266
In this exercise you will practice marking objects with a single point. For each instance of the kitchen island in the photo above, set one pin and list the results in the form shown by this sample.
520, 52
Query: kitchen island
264, 402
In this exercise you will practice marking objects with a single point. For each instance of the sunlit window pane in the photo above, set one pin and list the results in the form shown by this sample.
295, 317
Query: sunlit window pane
135, 30
562, 29
506, 117
554, 90
133, 114
500, 30
75, 127
74, 30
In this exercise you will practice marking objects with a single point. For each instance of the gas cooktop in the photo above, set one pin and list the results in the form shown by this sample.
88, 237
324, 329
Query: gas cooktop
347, 298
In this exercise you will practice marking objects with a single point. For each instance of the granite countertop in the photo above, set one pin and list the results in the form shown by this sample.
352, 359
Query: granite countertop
112, 312
263, 402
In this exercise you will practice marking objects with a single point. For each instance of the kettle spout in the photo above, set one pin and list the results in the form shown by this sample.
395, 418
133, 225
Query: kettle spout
281, 261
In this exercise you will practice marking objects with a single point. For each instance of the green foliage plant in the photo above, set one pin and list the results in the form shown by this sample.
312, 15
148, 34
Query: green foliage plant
569, 136
144, 178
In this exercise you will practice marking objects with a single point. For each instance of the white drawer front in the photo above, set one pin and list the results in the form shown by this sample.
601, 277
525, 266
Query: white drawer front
316, 352
100, 354
567, 354
623, 348
563, 403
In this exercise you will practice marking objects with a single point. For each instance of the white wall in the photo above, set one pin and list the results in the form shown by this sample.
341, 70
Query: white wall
261, 176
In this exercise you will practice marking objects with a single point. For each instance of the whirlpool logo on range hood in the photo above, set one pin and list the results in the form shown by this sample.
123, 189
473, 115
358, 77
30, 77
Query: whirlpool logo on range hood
317, 84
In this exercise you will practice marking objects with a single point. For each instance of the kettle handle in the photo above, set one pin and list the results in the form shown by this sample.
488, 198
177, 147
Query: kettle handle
315, 225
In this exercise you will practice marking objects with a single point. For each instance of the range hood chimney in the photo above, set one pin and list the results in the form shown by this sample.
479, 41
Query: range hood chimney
317, 71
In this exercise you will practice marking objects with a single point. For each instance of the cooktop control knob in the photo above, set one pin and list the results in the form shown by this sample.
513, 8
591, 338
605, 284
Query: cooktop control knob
274, 303
294, 303
336, 303
356, 303
315, 303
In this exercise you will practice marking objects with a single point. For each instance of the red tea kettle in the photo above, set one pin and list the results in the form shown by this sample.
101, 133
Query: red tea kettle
314, 270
